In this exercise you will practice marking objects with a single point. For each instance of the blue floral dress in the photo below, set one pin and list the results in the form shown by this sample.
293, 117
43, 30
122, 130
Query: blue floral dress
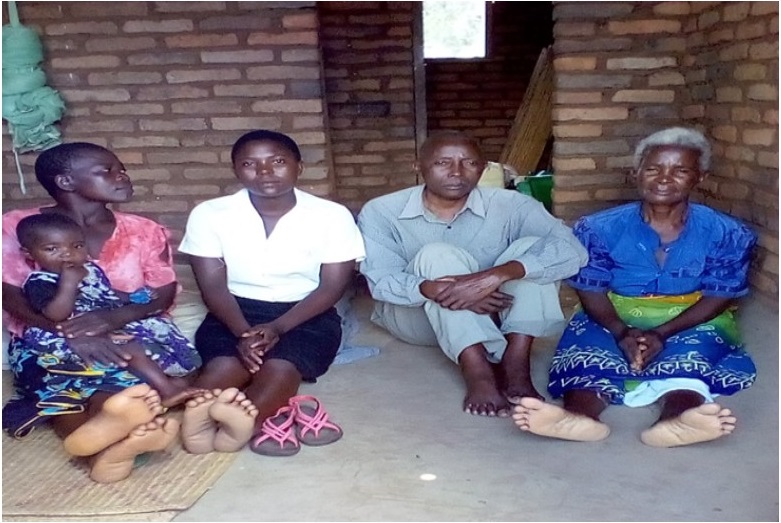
58, 379
711, 257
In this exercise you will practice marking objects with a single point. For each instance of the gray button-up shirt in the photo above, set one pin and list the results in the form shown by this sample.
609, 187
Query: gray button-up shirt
396, 226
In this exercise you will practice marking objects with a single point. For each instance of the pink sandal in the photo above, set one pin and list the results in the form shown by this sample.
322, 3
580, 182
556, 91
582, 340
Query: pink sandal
312, 425
277, 437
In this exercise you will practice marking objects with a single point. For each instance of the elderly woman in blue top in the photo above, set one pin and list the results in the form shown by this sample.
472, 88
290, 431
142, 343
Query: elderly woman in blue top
657, 320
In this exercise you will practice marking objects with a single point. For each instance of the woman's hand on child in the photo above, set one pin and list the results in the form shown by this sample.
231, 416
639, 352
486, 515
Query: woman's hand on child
99, 349
95, 323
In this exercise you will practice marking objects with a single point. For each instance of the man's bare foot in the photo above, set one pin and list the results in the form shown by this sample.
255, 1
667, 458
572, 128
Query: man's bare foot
120, 414
518, 389
116, 462
547, 419
484, 399
515, 369
235, 415
198, 427
703, 423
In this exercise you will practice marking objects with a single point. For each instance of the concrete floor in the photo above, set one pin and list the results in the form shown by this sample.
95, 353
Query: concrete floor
401, 414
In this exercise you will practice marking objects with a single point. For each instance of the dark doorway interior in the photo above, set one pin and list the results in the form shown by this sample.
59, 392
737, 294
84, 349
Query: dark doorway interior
481, 96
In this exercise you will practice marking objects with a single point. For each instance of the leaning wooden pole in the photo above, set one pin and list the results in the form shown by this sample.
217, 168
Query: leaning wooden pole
532, 126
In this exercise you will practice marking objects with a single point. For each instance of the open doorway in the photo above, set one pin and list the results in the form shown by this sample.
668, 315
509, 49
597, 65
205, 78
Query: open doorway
481, 95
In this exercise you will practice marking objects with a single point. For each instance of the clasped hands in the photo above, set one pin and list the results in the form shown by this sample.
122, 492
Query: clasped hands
474, 292
640, 347
255, 342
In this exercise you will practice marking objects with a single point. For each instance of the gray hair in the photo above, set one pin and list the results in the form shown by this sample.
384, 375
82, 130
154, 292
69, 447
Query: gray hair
676, 136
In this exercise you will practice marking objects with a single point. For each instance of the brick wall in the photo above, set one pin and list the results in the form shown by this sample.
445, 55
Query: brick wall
169, 86
731, 68
626, 69
368, 61
481, 96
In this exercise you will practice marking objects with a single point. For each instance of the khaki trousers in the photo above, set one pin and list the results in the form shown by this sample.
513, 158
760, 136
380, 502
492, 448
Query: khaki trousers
535, 311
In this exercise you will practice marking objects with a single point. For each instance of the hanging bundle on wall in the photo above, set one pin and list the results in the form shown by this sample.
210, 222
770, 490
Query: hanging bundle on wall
29, 106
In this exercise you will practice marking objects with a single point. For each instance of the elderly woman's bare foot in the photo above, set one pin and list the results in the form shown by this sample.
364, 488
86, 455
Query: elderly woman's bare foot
703, 423
116, 462
235, 415
484, 399
198, 427
120, 414
547, 419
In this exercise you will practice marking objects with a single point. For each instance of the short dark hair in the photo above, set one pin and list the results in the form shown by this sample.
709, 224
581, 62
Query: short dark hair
58, 160
439, 136
28, 229
266, 135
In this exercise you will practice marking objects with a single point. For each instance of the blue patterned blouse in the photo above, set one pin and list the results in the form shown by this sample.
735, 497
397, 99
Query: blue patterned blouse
711, 255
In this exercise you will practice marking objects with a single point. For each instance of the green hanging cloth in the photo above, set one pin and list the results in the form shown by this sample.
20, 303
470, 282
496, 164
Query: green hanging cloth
29, 106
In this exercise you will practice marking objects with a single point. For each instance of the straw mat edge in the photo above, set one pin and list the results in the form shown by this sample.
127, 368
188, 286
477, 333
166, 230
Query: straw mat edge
40, 480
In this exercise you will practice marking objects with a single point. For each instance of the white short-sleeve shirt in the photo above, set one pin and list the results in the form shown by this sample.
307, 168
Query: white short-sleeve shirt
284, 267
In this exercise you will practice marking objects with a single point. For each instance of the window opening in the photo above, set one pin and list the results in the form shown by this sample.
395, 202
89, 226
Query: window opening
454, 29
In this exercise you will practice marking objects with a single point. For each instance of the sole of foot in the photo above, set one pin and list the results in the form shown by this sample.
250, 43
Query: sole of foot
116, 462
198, 427
703, 423
552, 421
235, 416
119, 414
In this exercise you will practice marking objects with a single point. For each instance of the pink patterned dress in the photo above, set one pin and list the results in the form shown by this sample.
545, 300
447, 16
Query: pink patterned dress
136, 255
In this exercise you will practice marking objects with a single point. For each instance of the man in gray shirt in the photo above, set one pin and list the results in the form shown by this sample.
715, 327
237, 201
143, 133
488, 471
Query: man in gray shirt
473, 270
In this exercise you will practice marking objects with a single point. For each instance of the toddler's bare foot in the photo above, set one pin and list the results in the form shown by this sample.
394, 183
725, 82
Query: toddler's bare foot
116, 462
703, 423
120, 413
236, 417
198, 428
546, 419
178, 395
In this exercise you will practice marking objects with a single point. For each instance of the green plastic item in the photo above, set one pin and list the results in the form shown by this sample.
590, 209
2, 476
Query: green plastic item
539, 187
29, 105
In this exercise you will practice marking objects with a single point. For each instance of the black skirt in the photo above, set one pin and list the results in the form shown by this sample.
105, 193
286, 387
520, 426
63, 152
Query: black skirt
311, 346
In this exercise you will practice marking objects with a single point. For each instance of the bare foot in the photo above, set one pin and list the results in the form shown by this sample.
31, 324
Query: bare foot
703, 423
177, 396
546, 419
484, 399
235, 415
120, 414
198, 428
116, 462
518, 389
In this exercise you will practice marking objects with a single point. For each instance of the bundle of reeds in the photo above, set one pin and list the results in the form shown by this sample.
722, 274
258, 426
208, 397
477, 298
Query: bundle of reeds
532, 125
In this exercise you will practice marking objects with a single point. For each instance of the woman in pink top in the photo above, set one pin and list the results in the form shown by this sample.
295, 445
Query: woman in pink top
110, 413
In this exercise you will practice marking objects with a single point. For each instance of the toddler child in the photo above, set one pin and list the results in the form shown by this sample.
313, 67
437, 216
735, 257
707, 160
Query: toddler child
68, 284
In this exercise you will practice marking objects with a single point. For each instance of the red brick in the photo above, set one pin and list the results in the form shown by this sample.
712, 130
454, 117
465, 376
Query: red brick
759, 136
165, 189
86, 62
575, 63
300, 55
577, 98
249, 90
644, 96
148, 174
644, 27
641, 63
725, 133
577, 131
729, 94
201, 40
597, 113
300, 21
734, 52
765, 92
736, 11
129, 142
105, 45
663, 78
283, 72
133, 109
175, 125
763, 8
124, 78
188, 7
158, 26
288, 106
171, 92
291, 38
182, 157
763, 50
181, 76
746, 114
672, 8
210, 173
100, 126
207, 107
708, 19
95, 95
244, 123
748, 30
90, 28
574, 164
